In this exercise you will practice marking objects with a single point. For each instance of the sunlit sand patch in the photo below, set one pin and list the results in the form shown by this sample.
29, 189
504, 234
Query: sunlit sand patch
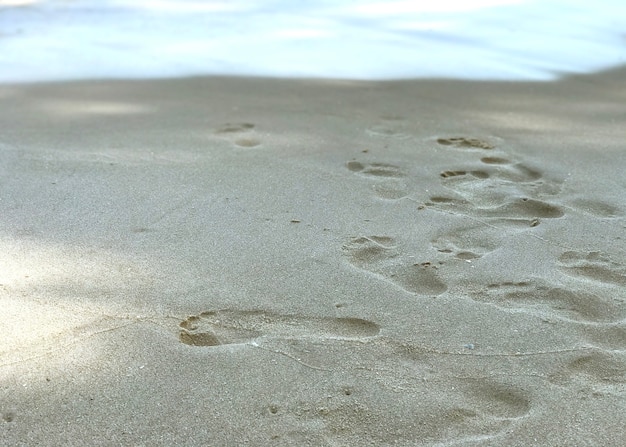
29, 328
106, 155
81, 108
52, 297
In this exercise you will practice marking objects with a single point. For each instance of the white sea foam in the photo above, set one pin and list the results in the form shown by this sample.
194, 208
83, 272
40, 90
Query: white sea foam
363, 39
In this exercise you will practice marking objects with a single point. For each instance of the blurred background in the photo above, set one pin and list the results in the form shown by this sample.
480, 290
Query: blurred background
43, 40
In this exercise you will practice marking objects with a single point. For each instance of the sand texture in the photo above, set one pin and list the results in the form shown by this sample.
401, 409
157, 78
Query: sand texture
227, 262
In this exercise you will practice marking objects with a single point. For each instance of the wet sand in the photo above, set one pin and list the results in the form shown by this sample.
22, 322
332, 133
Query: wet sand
230, 261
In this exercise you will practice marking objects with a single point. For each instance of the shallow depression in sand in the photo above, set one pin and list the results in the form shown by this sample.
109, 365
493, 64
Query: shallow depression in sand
213, 328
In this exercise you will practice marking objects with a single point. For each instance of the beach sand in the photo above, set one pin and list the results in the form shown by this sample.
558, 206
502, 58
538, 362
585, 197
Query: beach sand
233, 261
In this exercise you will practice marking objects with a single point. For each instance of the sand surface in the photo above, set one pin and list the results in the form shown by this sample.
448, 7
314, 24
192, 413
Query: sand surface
229, 262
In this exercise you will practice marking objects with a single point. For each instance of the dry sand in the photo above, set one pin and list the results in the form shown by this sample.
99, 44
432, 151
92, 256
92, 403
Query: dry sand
225, 262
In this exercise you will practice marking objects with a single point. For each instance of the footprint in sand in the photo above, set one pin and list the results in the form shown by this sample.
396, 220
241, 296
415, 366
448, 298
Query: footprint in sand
223, 327
465, 143
451, 415
496, 161
597, 208
452, 409
380, 170
575, 305
593, 266
495, 184
599, 366
609, 336
378, 255
498, 186
392, 190
468, 243
514, 209
494, 404
234, 131
487, 408
389, 127
475, 241
514, 173
520, 207
230, 128
389, 183
476, 174
499, 400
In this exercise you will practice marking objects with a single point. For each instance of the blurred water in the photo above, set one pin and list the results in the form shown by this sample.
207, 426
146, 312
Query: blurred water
357, 39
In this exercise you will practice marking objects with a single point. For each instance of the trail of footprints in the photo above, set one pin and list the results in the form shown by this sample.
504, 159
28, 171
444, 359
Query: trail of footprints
477, 407
509, 181
240, 134
518, 191
576, 305
593, 266
508, 195
470, 409
496, 187
499, 190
